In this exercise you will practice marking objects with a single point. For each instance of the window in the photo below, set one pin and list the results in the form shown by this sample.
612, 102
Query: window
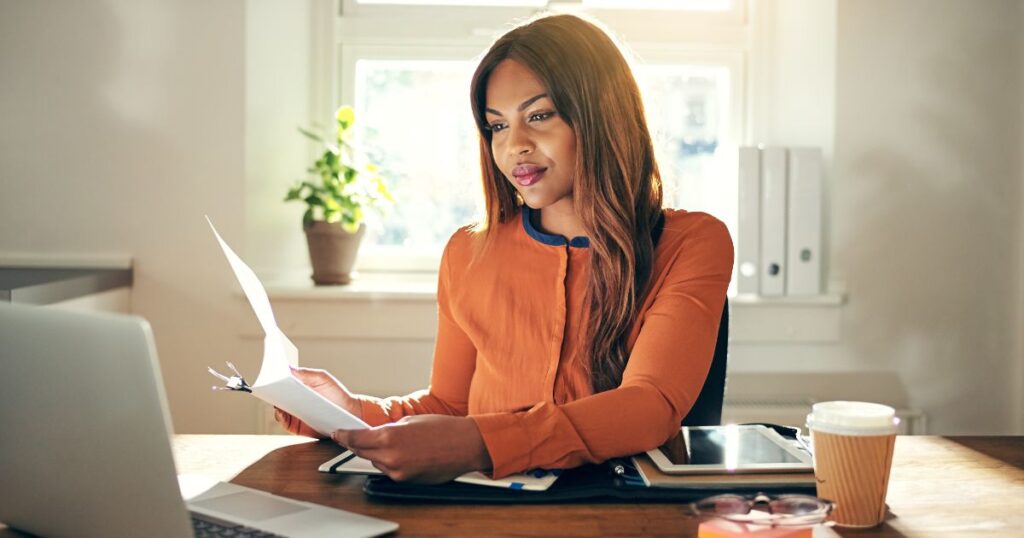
419, 126
409, 82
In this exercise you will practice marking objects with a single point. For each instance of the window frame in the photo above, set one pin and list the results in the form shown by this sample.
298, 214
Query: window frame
674, 37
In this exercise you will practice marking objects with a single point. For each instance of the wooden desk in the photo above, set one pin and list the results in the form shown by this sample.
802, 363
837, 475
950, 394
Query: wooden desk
940, 486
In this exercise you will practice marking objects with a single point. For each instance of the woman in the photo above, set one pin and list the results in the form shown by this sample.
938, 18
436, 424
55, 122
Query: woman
575, 324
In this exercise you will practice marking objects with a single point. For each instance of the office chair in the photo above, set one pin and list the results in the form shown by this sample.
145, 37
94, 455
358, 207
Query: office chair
707, 410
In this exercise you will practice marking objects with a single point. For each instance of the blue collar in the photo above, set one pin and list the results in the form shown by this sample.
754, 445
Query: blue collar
550, 239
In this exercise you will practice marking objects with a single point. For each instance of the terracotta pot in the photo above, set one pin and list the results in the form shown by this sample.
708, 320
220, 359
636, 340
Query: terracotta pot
332, 251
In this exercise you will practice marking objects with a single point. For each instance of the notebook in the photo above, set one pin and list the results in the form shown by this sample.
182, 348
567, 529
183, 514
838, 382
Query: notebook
653, 477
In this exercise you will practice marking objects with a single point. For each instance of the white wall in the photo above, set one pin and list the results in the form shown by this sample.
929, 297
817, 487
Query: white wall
927, 194
279, 68
123, 124
1019, 400
922, 138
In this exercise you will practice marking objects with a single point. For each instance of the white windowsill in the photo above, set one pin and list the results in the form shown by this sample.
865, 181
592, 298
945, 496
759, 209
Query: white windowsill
755, 319
423, 285
364, 287
824, 299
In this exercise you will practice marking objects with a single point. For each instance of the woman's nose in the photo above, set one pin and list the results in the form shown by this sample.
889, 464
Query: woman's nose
519, 142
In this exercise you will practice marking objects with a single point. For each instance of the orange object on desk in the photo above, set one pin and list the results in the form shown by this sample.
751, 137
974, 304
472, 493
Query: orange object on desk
721, 528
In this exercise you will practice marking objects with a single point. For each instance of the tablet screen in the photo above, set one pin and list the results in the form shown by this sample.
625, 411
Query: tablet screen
725, 446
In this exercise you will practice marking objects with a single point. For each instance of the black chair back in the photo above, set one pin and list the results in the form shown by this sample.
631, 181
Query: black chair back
707, 410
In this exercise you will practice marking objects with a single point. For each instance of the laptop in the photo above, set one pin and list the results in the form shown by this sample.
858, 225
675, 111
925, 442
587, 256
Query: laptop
85, 441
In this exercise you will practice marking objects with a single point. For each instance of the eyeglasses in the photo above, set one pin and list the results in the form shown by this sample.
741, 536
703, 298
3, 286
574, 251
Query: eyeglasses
776, 510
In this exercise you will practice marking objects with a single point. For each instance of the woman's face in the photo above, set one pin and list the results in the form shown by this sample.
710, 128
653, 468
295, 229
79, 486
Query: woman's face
532, 145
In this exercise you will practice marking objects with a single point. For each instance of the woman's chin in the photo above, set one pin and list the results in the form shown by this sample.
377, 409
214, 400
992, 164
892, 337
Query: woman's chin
536, 200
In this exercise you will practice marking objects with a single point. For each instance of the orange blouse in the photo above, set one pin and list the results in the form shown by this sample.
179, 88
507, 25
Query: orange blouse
506, 349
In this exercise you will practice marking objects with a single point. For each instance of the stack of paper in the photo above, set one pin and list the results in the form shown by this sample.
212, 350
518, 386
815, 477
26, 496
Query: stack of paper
275, 384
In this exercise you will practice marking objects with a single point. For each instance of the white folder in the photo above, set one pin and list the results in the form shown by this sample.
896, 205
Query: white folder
748, 244
773, 221
803, 271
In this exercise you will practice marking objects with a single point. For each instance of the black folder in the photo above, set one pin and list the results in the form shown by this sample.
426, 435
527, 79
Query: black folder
614, 481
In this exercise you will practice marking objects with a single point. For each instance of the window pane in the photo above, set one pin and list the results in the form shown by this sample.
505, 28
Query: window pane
415, 121
690, 131
673, 5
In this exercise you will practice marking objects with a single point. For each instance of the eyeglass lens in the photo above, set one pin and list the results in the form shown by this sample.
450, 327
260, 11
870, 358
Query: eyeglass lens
794, 505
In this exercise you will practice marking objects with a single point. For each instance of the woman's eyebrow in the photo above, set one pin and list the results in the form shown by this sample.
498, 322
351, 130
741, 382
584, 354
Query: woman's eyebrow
522, 106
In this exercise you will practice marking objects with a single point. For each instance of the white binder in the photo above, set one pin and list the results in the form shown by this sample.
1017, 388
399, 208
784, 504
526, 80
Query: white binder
748, 242
803, 270
773, 221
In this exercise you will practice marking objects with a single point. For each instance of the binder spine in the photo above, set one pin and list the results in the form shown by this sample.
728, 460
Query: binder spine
773, 221
748, 244
803, 269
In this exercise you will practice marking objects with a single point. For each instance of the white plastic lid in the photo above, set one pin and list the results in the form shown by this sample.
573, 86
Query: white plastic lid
853, 418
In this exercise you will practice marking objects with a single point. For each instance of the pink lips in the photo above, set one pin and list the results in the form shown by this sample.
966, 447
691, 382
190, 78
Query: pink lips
528, 174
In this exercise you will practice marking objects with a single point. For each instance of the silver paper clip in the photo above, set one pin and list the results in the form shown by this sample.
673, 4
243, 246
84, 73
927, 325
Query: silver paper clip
235, 382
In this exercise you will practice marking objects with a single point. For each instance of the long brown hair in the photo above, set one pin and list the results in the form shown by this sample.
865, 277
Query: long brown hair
617, 189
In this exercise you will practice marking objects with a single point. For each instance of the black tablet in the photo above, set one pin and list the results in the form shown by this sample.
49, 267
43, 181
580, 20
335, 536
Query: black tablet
729, 449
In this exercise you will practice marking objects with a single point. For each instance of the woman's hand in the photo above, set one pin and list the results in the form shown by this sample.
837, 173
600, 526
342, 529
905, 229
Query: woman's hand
427, 449
327, 386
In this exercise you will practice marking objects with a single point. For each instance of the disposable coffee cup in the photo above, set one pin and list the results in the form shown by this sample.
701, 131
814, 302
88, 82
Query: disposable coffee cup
853, 444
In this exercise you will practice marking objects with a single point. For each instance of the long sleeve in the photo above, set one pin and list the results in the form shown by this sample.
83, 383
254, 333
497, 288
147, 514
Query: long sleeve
665, 372
451, 373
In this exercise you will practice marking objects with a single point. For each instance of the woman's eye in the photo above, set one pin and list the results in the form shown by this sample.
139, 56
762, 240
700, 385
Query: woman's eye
540, 116
495, 127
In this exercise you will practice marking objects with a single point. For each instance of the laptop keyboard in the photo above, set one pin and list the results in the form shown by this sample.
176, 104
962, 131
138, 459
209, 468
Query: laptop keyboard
207, 527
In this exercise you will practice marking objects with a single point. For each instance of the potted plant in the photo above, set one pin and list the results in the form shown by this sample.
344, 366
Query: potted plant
336, 197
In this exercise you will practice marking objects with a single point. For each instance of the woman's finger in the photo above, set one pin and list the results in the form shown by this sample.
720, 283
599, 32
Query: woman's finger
305, 429
293, 425
381, 467
373, 455
360, 439
310, 376
284, 419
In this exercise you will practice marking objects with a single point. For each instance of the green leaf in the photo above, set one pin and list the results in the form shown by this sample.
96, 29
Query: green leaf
336, 190
311, 135
350, 223
307, 218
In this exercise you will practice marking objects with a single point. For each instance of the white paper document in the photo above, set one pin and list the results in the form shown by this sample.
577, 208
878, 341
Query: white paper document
275, 384
536, 480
